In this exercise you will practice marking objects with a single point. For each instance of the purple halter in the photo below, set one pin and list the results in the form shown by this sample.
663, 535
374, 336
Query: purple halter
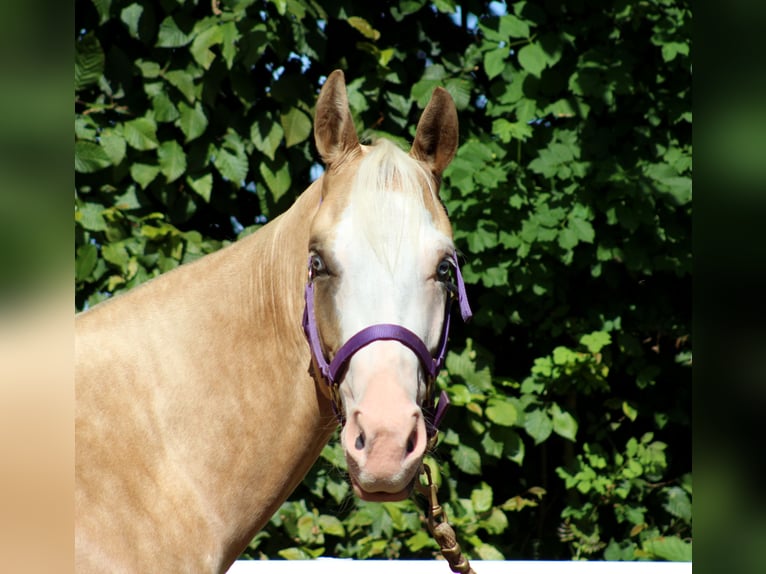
333, 371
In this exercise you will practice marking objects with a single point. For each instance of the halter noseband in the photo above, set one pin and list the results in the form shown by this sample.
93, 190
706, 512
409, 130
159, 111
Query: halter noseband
333, 371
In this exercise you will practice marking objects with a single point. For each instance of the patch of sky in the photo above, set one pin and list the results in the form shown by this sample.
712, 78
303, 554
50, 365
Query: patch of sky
471, 20
236, 226
316, 171
305, 61
498, 8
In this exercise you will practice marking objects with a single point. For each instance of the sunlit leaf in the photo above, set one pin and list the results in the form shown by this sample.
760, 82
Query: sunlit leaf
532, 58
192, 121
140, 133
296, 125
90, 157
538, 425
170, 35
172, 160
467, 459
564, 424
277, 181
501, 412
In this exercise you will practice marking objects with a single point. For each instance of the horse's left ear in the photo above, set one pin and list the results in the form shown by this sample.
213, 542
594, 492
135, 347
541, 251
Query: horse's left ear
437, 134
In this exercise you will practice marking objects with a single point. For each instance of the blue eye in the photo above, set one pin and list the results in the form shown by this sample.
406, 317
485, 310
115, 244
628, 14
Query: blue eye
317, 265
443, 270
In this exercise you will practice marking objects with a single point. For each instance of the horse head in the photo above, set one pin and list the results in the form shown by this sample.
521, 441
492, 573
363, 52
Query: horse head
382, 273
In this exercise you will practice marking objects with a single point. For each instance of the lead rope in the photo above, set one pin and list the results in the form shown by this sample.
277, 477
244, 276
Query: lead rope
438, 526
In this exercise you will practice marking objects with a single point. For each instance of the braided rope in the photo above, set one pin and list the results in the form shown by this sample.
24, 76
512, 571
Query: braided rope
438, 526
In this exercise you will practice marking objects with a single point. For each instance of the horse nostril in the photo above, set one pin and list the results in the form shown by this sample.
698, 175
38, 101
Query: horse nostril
410, 445
359, 444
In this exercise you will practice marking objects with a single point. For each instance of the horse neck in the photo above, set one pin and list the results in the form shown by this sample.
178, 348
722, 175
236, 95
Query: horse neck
290, 420
193, 394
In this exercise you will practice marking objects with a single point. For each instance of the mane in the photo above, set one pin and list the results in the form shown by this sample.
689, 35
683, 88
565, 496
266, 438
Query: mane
389, 200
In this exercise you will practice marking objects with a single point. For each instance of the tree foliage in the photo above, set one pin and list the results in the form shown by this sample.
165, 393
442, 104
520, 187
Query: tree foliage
570, 195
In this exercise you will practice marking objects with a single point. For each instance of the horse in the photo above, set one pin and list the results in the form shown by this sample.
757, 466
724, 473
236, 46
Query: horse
203, 396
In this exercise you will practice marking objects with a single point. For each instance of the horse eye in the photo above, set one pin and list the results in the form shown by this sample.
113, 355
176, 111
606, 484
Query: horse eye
317, 265
443, 270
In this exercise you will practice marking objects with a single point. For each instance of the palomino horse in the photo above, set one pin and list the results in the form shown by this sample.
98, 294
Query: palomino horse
199, 404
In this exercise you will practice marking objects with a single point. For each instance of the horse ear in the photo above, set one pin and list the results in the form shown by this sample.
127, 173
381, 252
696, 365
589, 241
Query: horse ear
334, 131
437, 133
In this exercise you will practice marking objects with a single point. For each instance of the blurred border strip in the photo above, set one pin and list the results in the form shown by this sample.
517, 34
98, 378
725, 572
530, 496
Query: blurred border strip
36, 291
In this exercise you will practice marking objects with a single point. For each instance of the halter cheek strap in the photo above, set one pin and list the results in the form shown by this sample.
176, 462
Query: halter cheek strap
333, 371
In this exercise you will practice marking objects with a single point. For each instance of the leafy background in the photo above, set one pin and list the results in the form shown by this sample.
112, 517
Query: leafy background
570, 433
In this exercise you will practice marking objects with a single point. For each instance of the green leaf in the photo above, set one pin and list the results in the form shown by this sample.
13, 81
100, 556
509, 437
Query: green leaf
596, 341
192, 121
140, 133
230, 37
501, 412
567, 239
130, 16
200, 48
183, 82
671, 49
421, 539
678, 503
170, 35
85, 262
202, 186
294, 554
422, 89
266, 136
582, 229
143, 174
114, 146
278, 181
629, 411
445, 6
513, 27
116, 253
230, 159
172, 160
148, 68
164, 109
91, 217
506, 130
494, 62
467, 459
496, 522
90, 157
460, 90
670, 548
481, 497
102, 7
513, 447
533, 59
491, 445
489, 552
564, 424
88, 62
296, 125
281, 6
364, 27
538, 425
331, 525
338, 491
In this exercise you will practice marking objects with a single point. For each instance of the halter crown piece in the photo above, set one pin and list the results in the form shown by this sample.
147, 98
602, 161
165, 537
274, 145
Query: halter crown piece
333, 371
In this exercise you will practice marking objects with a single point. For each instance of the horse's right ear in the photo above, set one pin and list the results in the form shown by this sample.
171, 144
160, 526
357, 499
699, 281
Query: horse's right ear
334, 131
